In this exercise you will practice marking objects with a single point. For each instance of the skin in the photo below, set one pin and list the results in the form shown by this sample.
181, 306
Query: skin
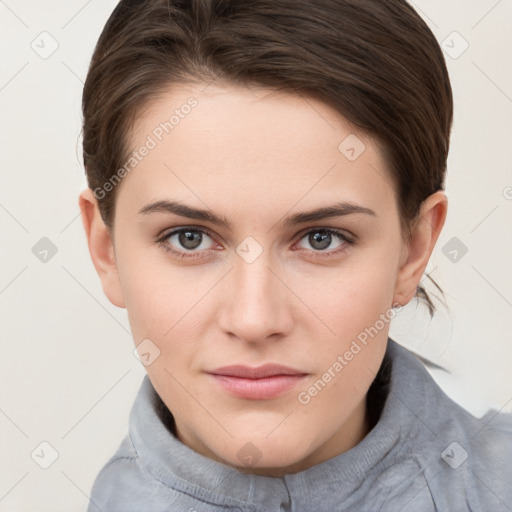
254, 157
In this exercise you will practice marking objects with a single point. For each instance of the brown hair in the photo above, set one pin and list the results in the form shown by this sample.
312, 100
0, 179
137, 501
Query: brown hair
376, 62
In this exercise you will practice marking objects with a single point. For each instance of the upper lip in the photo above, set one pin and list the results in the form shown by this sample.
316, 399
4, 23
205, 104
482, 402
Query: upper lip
267, 370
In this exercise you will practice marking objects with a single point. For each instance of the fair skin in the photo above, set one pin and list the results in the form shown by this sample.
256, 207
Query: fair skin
256, 157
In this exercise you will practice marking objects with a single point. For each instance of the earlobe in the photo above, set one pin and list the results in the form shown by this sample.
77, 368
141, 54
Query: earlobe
101, 247
423, 239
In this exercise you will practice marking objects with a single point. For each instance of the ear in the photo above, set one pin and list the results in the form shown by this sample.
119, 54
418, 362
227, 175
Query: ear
417, 251
101, 247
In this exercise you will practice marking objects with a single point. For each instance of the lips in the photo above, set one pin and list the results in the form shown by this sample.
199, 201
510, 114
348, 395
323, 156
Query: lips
247, 372
261, 383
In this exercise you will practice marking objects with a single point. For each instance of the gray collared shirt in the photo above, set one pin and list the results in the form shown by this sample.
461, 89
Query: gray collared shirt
426, 453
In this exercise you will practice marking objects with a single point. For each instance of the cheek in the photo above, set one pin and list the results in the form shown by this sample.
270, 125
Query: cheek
358, 309
164, 302
352, 297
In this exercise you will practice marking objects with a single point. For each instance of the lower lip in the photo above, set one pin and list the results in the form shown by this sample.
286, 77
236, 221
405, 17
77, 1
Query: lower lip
258, 389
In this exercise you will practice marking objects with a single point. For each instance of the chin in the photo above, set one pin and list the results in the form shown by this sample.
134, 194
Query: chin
258, 454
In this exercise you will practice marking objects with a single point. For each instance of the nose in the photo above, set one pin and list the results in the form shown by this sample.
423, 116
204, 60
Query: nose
257, 303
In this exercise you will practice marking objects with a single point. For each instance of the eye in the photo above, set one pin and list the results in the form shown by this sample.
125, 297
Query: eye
322, 238
183, 242
191, 242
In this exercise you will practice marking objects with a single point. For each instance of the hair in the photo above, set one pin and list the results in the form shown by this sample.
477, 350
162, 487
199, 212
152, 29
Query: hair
375, 62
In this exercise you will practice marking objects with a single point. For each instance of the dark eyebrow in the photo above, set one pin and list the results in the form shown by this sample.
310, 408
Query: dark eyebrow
336, 210
176, 208
184, 211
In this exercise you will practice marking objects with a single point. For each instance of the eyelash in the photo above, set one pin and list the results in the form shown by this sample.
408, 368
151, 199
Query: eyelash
162, 241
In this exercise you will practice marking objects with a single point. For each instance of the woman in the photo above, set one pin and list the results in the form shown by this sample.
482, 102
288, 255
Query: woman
265, 190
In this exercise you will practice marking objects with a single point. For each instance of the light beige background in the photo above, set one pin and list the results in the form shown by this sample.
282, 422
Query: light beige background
69, 376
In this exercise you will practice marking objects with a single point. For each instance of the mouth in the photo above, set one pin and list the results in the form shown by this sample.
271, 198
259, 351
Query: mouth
262, 383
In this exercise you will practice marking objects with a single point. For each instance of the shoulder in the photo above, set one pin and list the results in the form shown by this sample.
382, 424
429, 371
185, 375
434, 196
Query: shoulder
490, 457
465, 465
463, 462
472, 458
124, 485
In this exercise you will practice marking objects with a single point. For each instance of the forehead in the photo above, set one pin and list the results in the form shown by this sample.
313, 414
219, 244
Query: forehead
252, 145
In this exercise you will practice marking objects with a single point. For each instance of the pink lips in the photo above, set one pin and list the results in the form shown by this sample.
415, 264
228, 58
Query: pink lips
264, 382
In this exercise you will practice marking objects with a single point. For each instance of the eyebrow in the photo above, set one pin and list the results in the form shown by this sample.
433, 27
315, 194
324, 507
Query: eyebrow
174, 207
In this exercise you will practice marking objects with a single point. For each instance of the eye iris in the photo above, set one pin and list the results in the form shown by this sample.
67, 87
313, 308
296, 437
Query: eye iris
322, 237
190, 239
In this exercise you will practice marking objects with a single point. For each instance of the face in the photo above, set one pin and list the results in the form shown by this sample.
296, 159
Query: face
221, 261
